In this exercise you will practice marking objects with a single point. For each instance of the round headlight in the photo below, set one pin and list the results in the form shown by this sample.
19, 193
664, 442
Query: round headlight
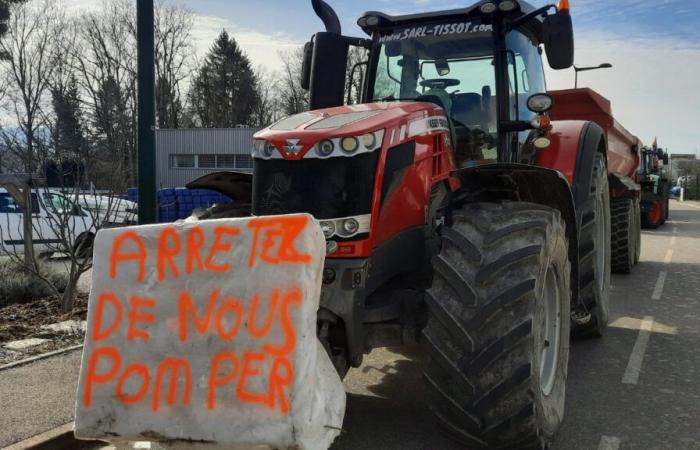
507, 5
372, 21
325, 148
328, 229
350, 144
540, 103
369, 141
488, 8
542, 142
269, 149
351, 226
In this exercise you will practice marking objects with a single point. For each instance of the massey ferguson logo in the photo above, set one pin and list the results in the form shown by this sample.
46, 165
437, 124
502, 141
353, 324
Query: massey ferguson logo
293, 146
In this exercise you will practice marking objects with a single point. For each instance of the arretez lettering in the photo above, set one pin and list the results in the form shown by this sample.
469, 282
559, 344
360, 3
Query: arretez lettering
260, 328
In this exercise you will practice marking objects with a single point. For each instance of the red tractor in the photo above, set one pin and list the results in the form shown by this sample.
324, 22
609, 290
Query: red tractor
456, 212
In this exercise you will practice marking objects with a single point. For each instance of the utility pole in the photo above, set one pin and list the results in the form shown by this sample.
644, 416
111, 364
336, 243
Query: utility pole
585, 69
147, 112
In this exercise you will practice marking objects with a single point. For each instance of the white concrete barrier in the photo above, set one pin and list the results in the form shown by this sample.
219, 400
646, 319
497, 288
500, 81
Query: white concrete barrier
204, 335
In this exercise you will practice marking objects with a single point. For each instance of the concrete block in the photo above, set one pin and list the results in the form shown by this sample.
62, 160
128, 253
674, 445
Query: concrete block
203, 335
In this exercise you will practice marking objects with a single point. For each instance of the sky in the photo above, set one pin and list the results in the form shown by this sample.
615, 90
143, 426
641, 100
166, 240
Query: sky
654, 47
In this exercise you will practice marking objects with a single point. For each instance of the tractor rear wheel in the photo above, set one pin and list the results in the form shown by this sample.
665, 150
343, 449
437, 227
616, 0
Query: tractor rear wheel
498, 330
653, 217
594, 253
624, 237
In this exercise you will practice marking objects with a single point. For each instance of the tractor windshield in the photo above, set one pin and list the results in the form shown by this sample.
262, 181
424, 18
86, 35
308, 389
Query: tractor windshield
450, 64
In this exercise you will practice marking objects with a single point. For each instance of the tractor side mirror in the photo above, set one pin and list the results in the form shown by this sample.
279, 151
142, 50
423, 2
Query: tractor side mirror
328, 70
306, 65
666, 159
558, 34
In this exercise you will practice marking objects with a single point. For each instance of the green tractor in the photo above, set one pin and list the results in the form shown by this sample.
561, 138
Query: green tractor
655, 187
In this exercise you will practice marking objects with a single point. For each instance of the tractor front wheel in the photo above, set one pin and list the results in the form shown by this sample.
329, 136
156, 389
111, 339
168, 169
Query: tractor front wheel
595, 253
498, 330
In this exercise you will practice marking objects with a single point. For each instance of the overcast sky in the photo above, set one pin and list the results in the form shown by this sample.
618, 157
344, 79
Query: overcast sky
654, 46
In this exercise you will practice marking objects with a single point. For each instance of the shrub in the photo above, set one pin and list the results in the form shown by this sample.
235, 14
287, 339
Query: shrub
19, 286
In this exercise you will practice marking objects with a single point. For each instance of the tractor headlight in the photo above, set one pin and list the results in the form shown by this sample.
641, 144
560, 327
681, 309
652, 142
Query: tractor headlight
369, 141
507, 5
488, 8
350, 144
269, 149
325, 148
328, 229
350, 227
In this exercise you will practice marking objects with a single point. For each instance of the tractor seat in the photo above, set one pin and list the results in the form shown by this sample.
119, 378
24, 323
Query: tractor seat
468, 111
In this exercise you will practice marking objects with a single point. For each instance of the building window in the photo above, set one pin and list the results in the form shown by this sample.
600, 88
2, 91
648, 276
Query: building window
212, 162
226, 161
184, 162
206, 161
244, 162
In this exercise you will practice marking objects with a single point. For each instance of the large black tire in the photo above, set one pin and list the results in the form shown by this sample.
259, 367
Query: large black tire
653, 218
503, 269
595, 254
637, 231
624, 237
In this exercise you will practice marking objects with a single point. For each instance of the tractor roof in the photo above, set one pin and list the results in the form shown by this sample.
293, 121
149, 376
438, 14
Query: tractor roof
388, 21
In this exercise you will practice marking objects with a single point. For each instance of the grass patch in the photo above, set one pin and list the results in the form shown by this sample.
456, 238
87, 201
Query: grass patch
17, 286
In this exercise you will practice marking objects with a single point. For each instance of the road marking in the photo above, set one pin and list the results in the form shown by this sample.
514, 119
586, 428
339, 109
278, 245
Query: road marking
634, 366
669, 256
609, 443
659, 289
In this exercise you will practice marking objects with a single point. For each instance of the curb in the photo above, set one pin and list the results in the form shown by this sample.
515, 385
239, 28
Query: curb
40, 357
60, 438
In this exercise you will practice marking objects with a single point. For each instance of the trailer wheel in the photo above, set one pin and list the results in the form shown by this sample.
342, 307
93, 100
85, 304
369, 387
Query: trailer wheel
594, 253
498, 330
624, 236
637, 231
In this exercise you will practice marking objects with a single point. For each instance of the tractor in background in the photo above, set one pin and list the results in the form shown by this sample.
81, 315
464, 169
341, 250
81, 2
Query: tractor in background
457, 213
656, 187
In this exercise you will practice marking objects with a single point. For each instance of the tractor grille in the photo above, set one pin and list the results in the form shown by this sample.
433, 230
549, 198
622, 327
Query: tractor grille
325, 188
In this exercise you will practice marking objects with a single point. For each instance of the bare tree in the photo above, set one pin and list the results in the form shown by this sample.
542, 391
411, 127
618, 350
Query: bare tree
174, 61
293, 97
106, 63
269, 109
31, 63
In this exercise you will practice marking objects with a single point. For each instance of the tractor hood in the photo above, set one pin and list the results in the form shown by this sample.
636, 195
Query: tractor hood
294, 137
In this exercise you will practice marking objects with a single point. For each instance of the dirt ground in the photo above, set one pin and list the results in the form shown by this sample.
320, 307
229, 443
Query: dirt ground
18, 322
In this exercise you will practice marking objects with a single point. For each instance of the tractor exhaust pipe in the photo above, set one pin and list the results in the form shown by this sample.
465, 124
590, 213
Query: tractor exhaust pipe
326, 13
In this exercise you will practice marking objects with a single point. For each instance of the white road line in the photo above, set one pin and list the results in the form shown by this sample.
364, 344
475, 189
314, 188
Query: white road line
669, 256
659, 289
609, 443
634, 366
673, 239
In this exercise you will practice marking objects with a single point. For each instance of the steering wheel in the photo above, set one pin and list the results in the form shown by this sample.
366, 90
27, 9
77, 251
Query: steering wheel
440, 83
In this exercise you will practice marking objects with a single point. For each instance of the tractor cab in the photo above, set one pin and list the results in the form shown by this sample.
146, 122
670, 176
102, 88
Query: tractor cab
481, 64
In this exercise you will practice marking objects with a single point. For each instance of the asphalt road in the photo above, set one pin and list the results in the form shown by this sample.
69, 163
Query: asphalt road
658, 410
637, 388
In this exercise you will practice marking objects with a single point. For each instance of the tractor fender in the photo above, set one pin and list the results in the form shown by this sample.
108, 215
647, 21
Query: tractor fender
574, 147
622, 186
236, 185
526, 183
